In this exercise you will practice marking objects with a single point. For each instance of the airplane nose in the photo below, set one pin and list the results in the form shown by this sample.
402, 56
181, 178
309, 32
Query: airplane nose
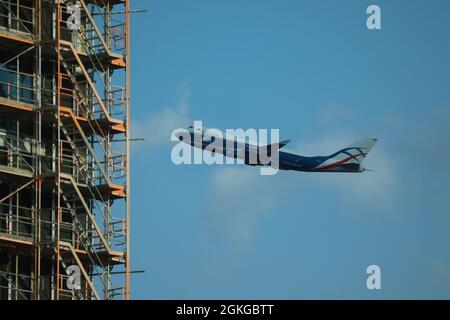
179, 133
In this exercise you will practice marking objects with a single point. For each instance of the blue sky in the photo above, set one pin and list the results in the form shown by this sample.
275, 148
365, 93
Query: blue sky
313, 70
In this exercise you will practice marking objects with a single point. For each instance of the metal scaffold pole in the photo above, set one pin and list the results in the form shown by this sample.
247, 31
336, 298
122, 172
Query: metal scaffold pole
128, 184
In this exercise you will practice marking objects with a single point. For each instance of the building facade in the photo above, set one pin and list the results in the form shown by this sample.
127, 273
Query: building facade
64, 149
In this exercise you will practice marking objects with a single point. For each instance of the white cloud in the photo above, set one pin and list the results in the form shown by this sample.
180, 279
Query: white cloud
156, 129
237, 198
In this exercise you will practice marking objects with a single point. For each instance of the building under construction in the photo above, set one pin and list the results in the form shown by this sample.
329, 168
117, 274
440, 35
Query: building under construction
64, 149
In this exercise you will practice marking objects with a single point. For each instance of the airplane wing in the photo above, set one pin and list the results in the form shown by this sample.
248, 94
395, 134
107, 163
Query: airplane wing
272, 148
283, 143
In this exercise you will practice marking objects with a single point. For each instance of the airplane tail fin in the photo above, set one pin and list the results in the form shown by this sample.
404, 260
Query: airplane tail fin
350, 159
361, 147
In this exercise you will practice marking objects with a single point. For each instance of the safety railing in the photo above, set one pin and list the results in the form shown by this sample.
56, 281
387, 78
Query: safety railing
17, 16
64, 291
113, 21
16, 220
87, 39
73, 97
85, 238
17, 86
17, 152
18, 285
83, 173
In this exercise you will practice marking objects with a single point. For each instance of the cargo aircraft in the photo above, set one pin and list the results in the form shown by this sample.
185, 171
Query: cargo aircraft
348, 159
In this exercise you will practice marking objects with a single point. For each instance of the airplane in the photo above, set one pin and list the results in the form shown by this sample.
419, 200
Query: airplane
348, 159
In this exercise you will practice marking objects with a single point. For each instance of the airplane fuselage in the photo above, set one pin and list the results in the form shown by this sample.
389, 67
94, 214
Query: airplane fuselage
345, 160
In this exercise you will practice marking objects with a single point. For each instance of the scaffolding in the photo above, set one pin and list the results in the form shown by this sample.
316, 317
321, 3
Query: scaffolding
64, 149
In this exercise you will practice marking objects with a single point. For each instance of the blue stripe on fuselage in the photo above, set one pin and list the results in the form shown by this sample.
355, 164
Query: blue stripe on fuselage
289, 161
